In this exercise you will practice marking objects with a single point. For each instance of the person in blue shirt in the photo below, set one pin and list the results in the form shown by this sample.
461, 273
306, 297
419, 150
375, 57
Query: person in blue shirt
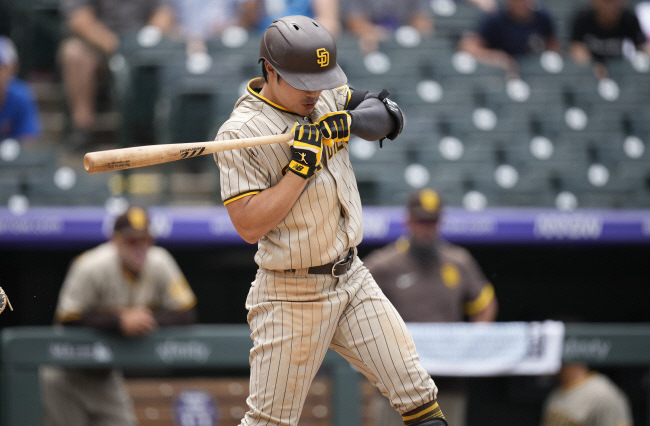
517, 29
18, 112
262, 13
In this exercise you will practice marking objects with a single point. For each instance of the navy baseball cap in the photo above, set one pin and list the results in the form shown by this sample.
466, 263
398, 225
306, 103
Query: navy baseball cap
8, 54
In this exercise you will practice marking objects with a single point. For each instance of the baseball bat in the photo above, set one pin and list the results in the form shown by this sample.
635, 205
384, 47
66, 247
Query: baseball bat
148, 155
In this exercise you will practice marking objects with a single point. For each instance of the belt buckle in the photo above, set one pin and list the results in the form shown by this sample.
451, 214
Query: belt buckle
348, 258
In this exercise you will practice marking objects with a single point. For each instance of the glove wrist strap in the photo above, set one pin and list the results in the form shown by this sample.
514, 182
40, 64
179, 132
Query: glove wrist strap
301, 170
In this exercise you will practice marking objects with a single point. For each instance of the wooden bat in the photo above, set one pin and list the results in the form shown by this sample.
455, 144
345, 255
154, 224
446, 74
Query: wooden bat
148, 155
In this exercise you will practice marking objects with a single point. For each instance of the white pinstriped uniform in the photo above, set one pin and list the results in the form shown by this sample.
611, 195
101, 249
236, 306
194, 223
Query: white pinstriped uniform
349, 313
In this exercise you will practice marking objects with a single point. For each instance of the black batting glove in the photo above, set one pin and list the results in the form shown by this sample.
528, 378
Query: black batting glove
306, 151
335, 127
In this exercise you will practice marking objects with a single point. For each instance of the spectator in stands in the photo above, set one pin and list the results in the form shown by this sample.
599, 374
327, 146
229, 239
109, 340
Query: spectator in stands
642, 11
517, 29
484, 5
125, 286
430, 280
261, 13
95, 29
373, 21
599, 33
201, 20
585, 397
18, 111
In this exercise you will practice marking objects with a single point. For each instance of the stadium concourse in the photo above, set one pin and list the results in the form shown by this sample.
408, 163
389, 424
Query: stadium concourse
546, 178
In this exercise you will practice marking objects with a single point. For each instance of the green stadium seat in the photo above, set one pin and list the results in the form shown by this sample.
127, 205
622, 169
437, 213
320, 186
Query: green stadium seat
9, 185
84, 189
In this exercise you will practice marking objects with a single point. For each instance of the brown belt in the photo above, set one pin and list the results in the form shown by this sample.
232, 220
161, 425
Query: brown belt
337, 268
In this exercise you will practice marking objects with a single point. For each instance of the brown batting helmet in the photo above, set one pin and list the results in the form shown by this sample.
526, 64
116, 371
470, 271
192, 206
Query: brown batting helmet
303, 52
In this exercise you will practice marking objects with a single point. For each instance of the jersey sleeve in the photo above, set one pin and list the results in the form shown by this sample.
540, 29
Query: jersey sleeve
478, 290
342, 96
611, 410
78, 292
176, 294
241, 174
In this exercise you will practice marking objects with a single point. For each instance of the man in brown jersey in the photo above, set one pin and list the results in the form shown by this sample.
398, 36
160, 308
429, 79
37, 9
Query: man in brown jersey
431, 280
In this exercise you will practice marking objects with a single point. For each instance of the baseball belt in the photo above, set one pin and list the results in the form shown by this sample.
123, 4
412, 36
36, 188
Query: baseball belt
338, 268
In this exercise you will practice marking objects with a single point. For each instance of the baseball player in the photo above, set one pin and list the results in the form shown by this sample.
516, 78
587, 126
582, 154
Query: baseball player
301, 204
586, 397
429, 279
4, 301
125, 286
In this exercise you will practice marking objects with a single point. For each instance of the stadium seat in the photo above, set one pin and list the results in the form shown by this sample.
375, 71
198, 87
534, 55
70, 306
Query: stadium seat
9, 185
452, 21
67, 187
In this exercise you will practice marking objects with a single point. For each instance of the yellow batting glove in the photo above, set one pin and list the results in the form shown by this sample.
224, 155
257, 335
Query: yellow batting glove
335, 127
307, 150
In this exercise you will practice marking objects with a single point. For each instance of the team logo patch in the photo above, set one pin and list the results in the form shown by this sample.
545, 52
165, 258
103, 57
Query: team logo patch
450, 275
323, 57
137, 218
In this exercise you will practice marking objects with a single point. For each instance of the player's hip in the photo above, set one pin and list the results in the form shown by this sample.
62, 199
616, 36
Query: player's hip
336, 282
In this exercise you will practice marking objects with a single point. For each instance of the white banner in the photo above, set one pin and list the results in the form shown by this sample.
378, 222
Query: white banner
489, 349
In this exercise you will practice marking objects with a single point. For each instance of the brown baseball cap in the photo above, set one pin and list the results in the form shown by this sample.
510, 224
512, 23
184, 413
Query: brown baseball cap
424, 204
303, 52
134, 221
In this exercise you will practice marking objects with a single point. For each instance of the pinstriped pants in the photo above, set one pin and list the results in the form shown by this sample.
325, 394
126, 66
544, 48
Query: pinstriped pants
295, 317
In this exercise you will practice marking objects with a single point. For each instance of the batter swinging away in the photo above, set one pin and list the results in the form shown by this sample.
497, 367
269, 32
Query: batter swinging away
301, 205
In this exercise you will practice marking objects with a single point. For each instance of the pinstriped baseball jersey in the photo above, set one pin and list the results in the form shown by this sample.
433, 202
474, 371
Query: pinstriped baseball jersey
326, 219
295, 316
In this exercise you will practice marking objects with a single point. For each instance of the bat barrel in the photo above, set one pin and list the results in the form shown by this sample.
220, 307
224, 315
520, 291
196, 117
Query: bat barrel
147, 155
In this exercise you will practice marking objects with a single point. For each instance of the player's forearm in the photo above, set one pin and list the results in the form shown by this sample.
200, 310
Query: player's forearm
100, 321
488, 314
256, 215
167, 317
370, 120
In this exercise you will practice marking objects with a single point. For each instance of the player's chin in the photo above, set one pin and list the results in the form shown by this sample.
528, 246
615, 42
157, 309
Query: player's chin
308, 107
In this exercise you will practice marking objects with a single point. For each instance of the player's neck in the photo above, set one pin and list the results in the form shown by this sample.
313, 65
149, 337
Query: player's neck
268, 93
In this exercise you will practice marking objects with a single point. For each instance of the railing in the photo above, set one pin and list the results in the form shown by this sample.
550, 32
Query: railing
24, 349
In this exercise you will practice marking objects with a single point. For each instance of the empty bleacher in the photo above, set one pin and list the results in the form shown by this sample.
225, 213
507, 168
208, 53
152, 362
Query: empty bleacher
464, 122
